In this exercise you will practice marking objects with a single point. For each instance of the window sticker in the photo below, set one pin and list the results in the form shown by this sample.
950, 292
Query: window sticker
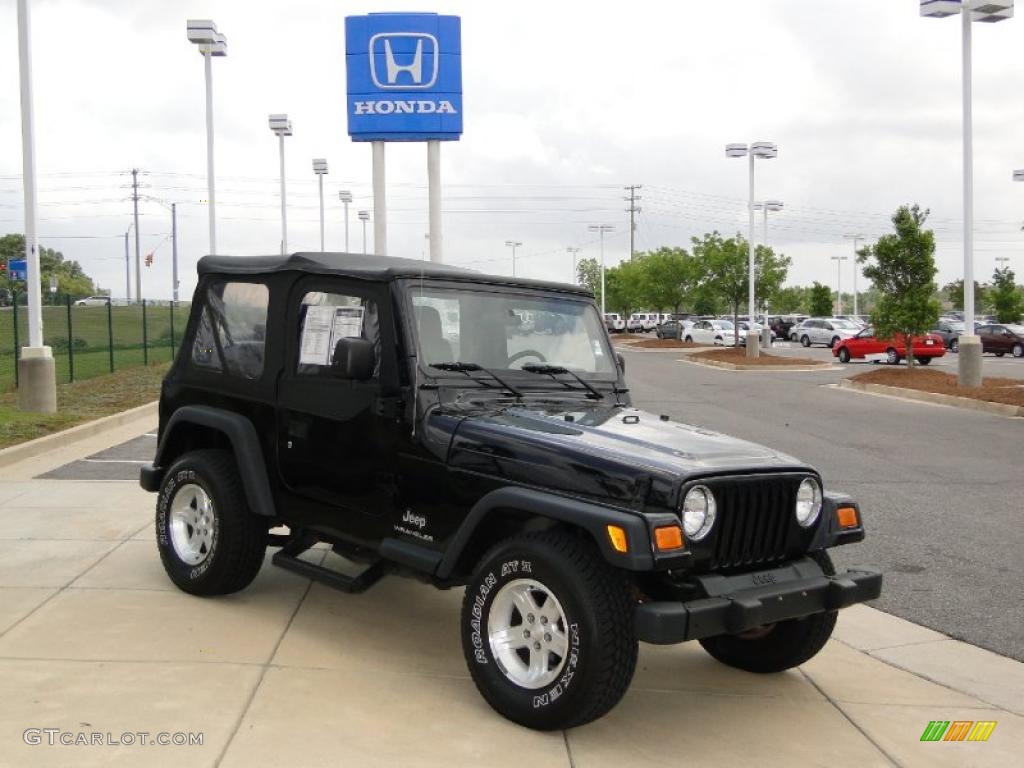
323, 327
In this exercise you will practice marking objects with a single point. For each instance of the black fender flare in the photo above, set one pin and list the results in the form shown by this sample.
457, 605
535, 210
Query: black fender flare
591, 517
245, 444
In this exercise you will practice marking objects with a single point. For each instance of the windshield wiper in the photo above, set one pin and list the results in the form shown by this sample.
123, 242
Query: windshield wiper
558, 370
468, 368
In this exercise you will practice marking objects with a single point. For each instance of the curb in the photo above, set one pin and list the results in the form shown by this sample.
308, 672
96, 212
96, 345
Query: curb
767, 368
74, 434
954, 401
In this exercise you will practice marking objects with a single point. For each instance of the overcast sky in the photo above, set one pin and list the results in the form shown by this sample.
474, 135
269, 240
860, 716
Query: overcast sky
565, 103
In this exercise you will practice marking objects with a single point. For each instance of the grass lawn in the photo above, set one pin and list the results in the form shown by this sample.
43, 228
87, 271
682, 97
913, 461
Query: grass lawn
993, 390
80, 402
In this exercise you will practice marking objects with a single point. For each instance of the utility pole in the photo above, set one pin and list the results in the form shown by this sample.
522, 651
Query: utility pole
633, 210
174, 252
127, 269
135, 205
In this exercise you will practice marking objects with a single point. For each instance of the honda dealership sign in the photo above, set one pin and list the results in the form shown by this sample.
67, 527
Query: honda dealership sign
404, 77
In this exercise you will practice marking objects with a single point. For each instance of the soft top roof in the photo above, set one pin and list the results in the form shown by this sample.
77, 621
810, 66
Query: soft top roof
366, 267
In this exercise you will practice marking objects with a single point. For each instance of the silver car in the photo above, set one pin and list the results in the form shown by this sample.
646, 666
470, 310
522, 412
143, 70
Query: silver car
824, 330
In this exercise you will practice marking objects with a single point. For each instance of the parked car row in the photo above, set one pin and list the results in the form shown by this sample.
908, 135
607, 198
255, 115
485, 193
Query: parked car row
827, 331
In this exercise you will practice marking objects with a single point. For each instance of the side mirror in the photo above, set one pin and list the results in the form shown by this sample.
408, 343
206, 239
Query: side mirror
353, 359
621, 361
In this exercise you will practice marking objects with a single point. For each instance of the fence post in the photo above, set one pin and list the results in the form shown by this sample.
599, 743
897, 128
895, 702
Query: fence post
71, 346
145, 336
17, 345
110, 334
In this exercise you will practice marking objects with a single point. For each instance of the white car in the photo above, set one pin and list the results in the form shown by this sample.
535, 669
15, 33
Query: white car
641, 322
93, 301
824, 330
717, 332
614, 323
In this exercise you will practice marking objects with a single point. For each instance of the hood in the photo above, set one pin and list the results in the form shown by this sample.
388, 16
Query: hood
602, 451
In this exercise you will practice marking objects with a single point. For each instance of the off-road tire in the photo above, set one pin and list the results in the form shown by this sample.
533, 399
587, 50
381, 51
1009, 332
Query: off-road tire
598, 607
788, 644
844, 355
239, 537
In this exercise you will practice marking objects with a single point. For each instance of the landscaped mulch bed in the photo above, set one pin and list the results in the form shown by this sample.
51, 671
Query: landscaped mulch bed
739, 357
666, 344
993, 390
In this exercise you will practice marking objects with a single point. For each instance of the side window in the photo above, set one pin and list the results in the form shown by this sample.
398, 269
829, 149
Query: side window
232, 329
327, 318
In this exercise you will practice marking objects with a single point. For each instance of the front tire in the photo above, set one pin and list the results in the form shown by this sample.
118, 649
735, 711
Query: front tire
689, 339
210, 542
844, 355
547, 631
779, 647
1018, 350
805, 340
922, 360
892, 357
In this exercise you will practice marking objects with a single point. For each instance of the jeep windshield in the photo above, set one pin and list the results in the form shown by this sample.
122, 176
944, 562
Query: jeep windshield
507, 332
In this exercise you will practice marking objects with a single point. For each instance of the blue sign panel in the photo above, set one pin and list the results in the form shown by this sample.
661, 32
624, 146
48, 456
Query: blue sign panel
17, 269
404, 74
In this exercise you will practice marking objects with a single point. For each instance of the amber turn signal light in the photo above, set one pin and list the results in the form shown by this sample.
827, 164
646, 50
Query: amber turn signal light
617, 537
847, 517
668, 538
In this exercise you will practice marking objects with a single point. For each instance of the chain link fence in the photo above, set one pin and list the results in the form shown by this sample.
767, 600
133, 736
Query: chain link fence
93, 340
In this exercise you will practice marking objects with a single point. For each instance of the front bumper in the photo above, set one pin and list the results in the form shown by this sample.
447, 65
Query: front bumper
744, 601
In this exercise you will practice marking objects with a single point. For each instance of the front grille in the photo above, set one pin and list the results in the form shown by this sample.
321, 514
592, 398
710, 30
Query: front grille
755, 520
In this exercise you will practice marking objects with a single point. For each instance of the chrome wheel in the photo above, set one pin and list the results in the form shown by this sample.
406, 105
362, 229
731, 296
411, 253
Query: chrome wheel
526, 629
192, 524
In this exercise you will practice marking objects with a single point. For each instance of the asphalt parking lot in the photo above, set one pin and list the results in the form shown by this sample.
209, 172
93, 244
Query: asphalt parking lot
939, 486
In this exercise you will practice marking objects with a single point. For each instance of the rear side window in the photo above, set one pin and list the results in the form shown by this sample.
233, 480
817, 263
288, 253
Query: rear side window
231, 336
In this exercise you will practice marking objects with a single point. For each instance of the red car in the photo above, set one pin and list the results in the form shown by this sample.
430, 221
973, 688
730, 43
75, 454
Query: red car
864, 344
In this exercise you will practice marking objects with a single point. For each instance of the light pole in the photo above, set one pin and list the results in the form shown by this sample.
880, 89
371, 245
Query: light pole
320, 169
173, 208
1004, 260
969, 360
839, 282
346, 197
774, 206
575, 252
127, 268
364, 216
765, 150
281, 127
601, 229
513, 244
203, 33
856, 268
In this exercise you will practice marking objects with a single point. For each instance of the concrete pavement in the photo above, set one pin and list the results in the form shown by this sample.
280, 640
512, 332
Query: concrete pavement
95, 639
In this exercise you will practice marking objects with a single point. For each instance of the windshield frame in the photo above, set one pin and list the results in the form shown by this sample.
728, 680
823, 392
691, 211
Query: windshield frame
408, 290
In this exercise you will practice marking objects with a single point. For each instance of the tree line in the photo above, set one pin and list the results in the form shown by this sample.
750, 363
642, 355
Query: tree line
71, 278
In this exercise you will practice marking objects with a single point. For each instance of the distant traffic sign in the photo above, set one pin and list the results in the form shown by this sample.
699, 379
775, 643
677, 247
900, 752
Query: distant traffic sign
17, 269
404, 73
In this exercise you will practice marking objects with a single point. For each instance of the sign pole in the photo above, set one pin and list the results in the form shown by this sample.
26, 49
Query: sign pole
434, 187
380, 211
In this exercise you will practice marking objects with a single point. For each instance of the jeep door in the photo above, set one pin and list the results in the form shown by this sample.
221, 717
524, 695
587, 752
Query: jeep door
337, 429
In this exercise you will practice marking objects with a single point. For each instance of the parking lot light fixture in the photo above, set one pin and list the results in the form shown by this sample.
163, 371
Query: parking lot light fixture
281, 127
320, 169
773, 206
574, 252
346, 197
969, 358
203, 32
1018, 175
856, 268
601, 229
364, 216
513, 244
765, 150
839, 282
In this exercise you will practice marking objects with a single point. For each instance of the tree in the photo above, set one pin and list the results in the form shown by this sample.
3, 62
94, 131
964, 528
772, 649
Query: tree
624, 287
666, 277
71, 278
588, 274
1005, 297
902, 267
790, 300
819, 300
954, 293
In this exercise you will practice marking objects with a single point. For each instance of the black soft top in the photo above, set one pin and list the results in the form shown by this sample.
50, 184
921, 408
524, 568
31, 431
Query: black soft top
367, 267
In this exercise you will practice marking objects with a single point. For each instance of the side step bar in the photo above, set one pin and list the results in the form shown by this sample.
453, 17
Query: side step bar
288, 558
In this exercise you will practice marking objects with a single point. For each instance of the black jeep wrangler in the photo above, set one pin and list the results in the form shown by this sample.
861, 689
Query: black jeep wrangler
477, 430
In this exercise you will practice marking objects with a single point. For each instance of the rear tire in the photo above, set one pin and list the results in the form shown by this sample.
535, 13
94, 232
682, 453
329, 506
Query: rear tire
688, 339
922, 360
578, 610
210, 542
892, 357
1000, 354
783, 646
835, 340
844, 355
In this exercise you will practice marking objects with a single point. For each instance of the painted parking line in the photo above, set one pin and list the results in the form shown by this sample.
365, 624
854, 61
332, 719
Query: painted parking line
119, 462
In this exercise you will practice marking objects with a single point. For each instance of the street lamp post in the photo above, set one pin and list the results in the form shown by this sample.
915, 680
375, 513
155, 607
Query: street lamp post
969, 359
281, 127
601, 229
839, 282
203, 33
364, 216
575, 253
765, 150
856, 268
774, 206
320, 169
513, 244
346, 197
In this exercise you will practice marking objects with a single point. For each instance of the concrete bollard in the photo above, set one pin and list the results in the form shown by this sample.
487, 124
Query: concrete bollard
37, 380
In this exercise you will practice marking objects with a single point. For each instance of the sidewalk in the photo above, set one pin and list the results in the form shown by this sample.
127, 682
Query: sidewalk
94, 639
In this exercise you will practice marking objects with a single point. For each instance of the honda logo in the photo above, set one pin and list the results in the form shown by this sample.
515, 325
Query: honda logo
404, 60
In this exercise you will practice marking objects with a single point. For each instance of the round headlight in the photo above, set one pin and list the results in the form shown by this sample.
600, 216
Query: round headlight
698, 512
808, 502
